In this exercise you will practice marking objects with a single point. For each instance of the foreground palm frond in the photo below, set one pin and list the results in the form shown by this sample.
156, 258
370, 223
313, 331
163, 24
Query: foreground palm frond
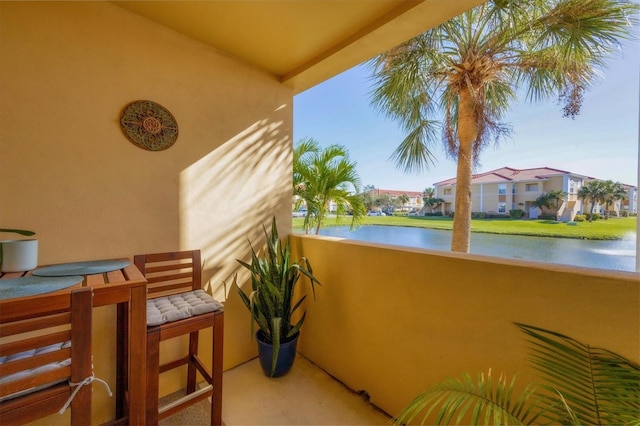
599, 386
584, 385
483, 401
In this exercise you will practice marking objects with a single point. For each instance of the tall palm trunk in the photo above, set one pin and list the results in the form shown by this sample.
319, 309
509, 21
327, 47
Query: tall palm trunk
467, 134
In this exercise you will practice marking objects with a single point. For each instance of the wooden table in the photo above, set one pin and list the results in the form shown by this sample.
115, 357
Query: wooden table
127, 288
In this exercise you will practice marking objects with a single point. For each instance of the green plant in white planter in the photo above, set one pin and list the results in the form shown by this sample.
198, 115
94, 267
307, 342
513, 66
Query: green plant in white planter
18, 255
271, 301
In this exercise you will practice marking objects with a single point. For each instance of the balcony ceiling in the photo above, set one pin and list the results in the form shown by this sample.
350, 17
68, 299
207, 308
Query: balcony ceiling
301, 42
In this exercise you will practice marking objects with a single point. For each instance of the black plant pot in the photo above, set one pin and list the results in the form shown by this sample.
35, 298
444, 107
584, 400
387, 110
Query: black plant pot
286, 355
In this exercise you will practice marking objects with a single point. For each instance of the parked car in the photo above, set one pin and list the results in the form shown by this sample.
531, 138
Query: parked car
412, 213
376, 213
299, 213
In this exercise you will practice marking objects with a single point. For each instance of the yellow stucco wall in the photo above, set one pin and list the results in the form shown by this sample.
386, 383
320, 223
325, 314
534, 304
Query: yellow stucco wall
394, 321
67, 70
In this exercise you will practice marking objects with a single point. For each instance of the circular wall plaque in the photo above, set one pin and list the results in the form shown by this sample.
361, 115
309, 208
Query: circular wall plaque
149, 125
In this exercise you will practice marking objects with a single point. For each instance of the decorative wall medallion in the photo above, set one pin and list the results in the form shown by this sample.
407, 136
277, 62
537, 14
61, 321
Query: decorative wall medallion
149, 125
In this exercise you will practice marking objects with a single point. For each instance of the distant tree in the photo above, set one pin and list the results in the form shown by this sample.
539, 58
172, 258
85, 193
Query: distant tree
613, 191
384, 202
429, 193
456, 82
551, 200
556, 198
404, 200
592, 192
324, 175
432, 203
429, 199
368, 196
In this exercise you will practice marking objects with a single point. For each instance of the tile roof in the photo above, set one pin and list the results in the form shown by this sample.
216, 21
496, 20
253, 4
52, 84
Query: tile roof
396, 193
509, 174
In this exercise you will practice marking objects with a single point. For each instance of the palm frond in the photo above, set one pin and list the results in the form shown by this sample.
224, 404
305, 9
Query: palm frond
484, 401
413, 153
584, 385
599, 386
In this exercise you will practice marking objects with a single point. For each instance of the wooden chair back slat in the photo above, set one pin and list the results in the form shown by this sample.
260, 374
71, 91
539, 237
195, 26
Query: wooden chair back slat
179, 276
33, 307
57, 375
171, 256
170, 267
23, 326
170, 273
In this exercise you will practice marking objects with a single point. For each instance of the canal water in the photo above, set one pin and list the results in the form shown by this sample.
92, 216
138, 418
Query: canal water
618, 255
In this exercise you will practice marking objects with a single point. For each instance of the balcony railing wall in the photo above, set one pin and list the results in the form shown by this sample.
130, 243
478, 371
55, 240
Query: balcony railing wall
393, 321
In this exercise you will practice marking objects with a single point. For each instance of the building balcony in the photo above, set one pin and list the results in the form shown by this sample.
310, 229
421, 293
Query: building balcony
388, 322
392, 321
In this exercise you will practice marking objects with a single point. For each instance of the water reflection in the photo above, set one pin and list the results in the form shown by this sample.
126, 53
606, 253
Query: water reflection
618, 255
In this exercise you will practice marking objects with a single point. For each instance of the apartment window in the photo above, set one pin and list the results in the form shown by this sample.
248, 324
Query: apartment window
502, 189
531, 187
572, 186
447, 191
502, 207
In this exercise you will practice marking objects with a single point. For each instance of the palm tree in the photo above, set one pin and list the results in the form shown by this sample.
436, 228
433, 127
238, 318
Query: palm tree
593, 192
556, 198
455, 82
613, 191
324, 175
404, 199
429, 192
551, 200
429, 199
432, 203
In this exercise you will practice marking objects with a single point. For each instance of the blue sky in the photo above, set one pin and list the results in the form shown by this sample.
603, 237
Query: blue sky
601, 142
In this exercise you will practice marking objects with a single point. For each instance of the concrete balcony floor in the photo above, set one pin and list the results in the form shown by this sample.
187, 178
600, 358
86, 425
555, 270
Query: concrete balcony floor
307, 395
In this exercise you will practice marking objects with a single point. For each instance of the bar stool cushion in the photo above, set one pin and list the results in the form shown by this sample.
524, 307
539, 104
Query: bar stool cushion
34, 371
179, 306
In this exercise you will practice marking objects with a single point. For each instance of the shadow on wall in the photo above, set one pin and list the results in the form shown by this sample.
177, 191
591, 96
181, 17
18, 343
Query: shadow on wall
228, 194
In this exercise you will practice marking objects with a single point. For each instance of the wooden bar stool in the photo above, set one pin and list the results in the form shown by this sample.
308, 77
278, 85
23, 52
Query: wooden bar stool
177, 306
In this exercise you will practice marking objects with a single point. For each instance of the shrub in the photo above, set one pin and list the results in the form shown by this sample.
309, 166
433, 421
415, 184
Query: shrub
592, 217
547, 217
478, 215
516, 214
580, 218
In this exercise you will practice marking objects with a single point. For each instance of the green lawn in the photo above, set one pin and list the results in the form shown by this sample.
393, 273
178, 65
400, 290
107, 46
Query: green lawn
612, 229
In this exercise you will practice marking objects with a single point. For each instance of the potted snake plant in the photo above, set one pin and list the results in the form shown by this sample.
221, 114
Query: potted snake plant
271, 301
18, 255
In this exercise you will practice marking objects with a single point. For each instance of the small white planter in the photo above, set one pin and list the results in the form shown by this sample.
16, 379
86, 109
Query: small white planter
19, 255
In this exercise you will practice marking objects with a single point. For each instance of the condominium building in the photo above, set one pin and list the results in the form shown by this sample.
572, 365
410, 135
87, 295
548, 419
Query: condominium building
504, 189
414, 198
